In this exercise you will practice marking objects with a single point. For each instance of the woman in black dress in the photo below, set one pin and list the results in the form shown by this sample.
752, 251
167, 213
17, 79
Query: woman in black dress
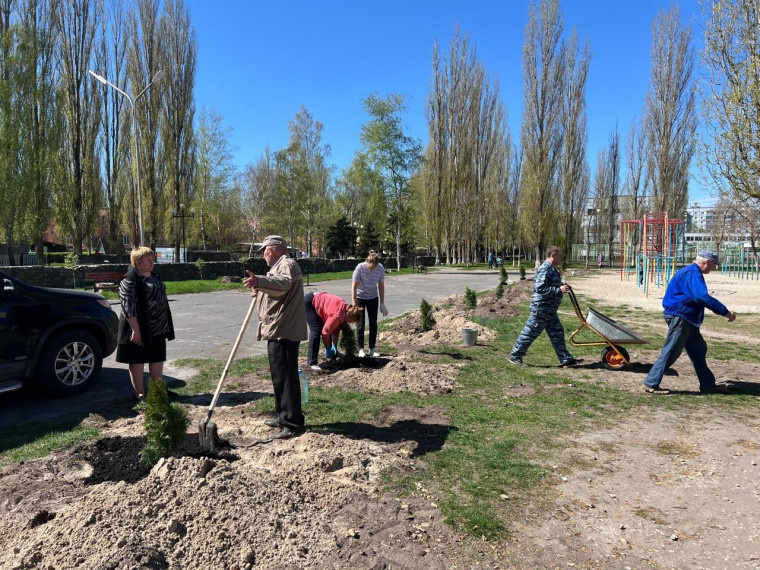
145, 323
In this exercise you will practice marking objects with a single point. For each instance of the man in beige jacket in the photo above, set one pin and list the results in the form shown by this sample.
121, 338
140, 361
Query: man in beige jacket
282, 322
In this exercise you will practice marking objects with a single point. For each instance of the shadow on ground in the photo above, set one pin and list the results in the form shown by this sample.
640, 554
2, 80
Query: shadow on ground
429, 437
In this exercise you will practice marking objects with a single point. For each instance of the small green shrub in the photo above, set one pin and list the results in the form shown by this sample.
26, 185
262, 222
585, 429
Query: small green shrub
503, 273
71, 261
427, 320
165, 424
470, 300
499, 291
522, 272
200, 264
347, 342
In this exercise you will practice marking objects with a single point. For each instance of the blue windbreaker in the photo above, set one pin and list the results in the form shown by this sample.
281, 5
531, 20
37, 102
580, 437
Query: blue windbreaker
687, 296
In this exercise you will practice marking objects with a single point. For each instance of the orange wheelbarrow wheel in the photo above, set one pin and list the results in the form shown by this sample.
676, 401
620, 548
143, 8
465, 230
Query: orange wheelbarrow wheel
612, 360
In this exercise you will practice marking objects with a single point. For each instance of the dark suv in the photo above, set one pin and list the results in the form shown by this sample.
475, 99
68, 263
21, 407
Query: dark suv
52, 339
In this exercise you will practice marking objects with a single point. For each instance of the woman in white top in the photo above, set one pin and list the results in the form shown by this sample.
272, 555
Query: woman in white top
367, 290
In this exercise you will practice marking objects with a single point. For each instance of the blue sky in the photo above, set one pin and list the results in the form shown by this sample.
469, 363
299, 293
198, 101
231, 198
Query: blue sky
259, 61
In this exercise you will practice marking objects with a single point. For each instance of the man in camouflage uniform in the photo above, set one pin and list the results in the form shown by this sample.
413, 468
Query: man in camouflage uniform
547, 296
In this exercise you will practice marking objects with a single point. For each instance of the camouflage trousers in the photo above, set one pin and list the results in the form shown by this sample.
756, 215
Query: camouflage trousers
542, 319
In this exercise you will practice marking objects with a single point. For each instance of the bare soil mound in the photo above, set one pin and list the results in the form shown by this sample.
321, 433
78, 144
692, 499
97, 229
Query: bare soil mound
491, 306
452, 315
309, 502
403, 372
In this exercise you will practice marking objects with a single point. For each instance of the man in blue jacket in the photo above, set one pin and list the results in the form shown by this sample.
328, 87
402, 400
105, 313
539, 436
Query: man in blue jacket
685, 300
547, 296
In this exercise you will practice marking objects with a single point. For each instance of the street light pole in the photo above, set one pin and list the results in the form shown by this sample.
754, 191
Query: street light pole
157, 77
182, 215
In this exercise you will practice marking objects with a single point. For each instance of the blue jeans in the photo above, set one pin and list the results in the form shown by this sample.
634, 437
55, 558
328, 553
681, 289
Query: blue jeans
542, 319
682, 335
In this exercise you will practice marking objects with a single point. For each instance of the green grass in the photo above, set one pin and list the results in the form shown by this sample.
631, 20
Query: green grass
210, 370
494, 443
40, 440
211, 285
190, 286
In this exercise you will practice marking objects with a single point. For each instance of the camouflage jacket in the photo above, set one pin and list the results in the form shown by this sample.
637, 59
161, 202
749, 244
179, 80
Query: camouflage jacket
546, 293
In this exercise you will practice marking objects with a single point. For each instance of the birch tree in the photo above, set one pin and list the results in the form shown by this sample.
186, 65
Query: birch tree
258, 191
311, 175
394, 154
359, 195
214, 175
731, 152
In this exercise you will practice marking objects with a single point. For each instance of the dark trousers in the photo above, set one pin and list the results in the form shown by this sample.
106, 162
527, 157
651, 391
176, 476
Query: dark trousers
542, 319
316, 324
283, 366
682, 335
370, 307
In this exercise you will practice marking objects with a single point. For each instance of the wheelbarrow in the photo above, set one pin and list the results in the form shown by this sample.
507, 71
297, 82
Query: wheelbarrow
611, 333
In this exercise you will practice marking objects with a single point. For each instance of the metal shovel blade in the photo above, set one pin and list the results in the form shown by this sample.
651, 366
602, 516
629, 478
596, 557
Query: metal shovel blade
208, 436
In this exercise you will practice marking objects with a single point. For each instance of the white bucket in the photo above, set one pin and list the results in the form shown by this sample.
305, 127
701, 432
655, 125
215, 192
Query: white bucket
469, 336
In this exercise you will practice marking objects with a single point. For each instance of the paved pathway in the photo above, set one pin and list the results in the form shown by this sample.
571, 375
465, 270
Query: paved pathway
207, 324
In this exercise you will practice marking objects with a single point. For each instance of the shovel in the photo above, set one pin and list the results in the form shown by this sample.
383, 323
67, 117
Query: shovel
207, 431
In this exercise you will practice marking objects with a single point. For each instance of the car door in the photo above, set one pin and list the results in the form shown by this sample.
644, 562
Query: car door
16, 329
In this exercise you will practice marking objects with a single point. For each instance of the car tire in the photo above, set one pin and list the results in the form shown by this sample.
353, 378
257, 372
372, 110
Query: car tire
70, 361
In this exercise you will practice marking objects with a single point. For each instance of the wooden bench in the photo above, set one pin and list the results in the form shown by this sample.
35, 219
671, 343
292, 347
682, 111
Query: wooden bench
103, 280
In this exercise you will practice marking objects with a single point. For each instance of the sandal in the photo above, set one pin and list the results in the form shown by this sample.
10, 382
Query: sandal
656, 390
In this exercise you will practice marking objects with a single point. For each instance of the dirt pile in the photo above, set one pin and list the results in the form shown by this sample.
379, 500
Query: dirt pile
310, 502
452, 315
403, 372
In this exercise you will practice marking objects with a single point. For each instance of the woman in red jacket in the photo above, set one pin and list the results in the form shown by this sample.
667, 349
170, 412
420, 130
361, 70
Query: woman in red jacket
325, 313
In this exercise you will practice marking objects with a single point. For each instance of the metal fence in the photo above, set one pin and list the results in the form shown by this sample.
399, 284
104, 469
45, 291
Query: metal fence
21, 259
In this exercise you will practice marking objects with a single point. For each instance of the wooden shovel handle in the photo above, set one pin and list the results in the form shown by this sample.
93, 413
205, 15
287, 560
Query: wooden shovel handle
231, 358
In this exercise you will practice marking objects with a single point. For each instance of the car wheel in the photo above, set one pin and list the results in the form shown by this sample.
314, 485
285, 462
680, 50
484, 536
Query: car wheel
69, 363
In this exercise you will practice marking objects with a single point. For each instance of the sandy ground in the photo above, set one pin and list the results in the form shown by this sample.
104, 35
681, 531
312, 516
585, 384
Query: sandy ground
667, 489
739, 295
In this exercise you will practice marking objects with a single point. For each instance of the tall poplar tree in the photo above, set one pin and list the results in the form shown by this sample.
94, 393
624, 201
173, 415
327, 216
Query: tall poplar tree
80, 196
115, 133
11, 198
670, 119
143, 63
178, 62
573, 169
541, 140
